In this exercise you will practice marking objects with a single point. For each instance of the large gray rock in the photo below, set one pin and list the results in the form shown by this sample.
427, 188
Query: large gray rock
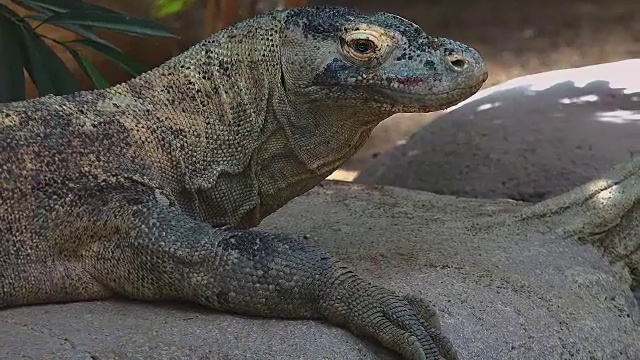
503, 291
528, 139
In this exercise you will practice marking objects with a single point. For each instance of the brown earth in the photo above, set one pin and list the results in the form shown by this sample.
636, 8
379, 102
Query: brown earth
524, 37
515, 38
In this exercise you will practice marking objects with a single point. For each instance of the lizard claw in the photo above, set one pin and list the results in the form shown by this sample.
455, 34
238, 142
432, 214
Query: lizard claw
410, 326
406, 324
431, 324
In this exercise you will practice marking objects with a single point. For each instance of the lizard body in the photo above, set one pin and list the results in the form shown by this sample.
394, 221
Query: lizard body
148, 189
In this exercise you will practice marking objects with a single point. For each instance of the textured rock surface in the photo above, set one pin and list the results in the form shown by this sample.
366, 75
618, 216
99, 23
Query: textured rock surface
527, 139
502, 293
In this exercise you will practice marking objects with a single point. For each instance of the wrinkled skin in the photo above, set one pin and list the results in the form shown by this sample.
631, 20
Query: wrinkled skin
147, 189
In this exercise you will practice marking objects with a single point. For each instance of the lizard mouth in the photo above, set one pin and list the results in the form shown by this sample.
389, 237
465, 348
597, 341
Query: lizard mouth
427, 101
400, 99
417, 95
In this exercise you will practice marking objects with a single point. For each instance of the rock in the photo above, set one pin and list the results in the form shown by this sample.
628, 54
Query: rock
502, 292
528, 139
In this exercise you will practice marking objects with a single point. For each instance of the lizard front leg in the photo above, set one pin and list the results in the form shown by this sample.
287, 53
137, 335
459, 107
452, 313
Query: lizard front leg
172, 256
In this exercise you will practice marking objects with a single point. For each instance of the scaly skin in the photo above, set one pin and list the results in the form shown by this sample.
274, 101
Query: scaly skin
147, 189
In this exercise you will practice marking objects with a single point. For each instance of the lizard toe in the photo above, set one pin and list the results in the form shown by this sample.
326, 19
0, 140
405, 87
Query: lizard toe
408, 325
430, 322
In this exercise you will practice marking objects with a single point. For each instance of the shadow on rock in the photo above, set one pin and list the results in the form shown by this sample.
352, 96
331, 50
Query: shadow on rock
528, 139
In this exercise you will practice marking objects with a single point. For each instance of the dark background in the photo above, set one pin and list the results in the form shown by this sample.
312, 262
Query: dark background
515, 37
518, 37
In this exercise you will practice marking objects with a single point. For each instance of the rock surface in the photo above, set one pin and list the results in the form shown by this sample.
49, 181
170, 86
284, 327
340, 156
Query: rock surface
501, 293
527, 139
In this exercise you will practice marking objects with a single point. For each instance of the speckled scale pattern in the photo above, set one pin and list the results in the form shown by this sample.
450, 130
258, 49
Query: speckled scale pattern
148, 189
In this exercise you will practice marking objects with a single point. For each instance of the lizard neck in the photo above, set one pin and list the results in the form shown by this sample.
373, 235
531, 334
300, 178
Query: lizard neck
323, 135
308, 142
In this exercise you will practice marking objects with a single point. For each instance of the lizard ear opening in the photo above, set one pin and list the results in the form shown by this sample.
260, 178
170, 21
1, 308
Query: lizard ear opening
283, 81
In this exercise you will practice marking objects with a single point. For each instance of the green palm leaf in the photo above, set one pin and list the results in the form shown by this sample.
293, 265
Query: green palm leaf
23, 48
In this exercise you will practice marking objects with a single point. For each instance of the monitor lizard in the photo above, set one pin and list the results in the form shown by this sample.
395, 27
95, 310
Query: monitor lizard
149, 189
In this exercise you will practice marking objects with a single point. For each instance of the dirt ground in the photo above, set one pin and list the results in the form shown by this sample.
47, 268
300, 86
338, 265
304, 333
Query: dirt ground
515, 38
524, 37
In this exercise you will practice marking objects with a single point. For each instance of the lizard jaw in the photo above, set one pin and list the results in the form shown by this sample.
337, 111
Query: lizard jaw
414, 101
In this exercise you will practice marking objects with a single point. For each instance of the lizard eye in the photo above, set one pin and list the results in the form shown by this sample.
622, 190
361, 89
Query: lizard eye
362, 45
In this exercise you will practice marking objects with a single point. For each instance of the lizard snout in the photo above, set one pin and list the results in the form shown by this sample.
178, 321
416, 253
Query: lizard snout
465, 63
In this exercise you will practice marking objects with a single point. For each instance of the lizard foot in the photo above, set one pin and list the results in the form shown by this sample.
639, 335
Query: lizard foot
406, 324
431, 324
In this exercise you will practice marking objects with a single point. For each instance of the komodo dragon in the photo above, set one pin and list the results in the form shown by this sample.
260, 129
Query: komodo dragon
148, 189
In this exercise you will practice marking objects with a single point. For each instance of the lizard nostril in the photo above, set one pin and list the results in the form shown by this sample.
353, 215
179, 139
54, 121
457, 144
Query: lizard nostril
457, 62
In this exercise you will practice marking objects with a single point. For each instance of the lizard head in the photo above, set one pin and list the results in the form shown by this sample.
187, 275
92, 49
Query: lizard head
380, 62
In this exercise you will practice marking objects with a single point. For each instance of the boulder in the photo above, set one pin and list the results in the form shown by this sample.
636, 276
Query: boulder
527, 139
502, 292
